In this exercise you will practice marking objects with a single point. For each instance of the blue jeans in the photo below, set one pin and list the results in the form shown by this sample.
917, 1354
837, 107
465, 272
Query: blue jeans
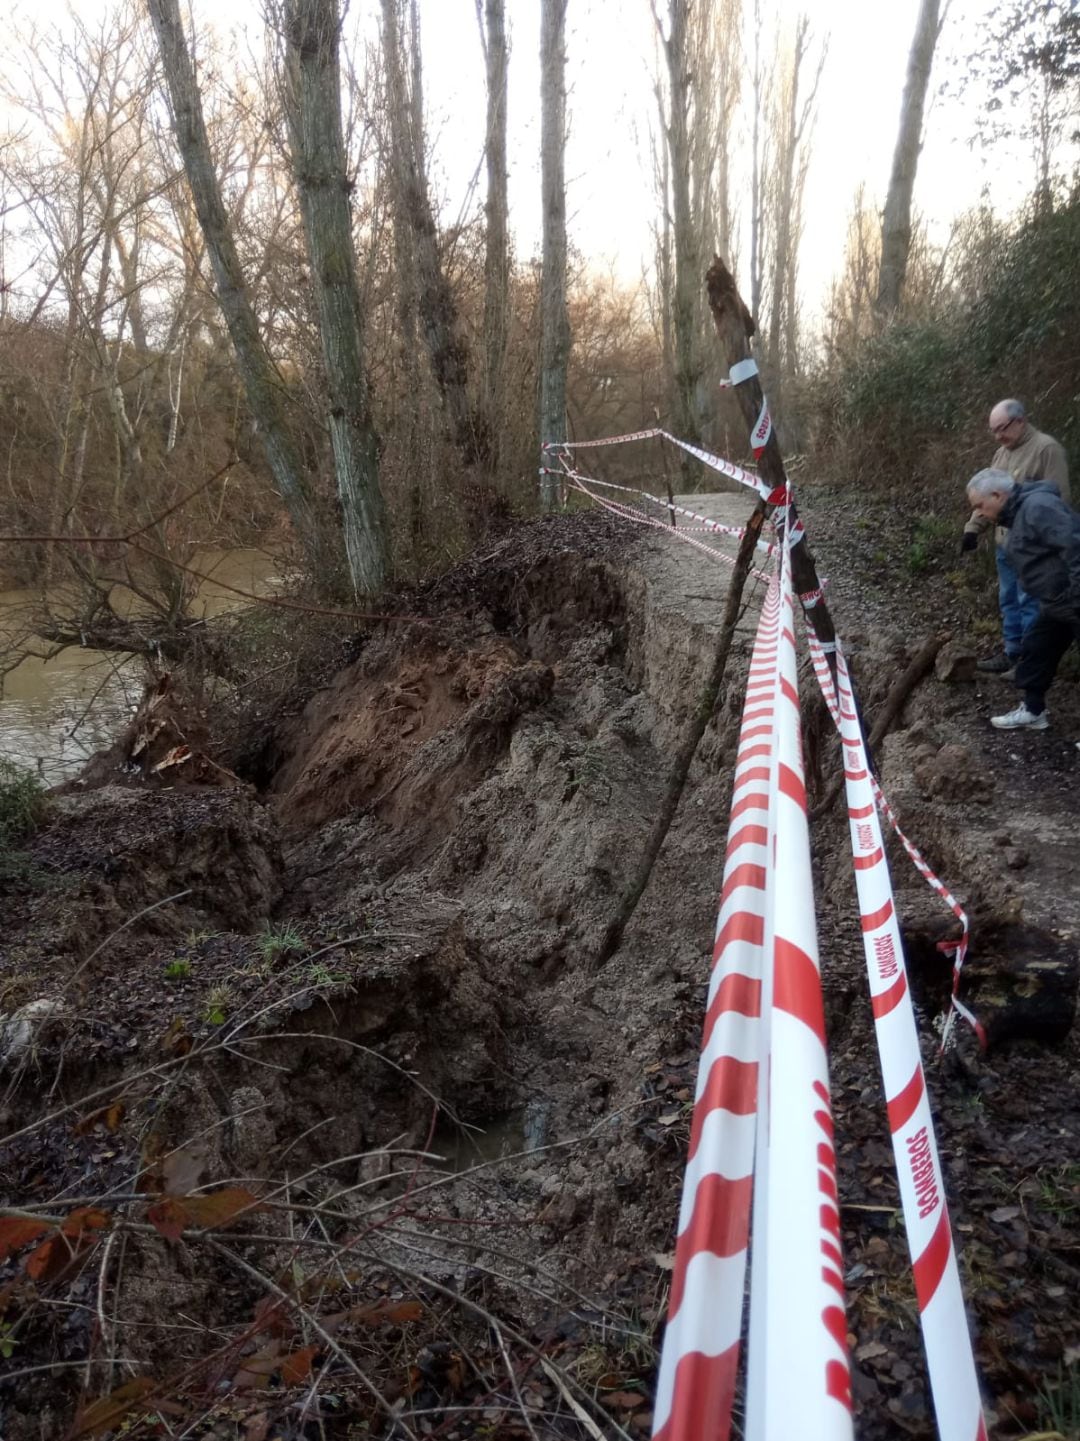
1019, 610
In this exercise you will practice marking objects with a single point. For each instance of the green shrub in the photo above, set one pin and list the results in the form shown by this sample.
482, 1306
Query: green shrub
908, 406
22, 803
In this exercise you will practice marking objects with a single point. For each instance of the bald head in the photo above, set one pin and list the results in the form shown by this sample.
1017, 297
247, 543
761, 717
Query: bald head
1008, 423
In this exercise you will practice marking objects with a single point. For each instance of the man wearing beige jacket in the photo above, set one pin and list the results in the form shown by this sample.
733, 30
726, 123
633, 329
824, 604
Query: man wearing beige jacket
1026, 454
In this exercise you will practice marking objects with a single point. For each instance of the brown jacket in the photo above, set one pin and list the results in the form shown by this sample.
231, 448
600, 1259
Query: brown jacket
1037, 457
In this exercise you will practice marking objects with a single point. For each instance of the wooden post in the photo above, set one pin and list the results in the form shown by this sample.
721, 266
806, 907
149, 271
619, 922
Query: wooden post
734, 327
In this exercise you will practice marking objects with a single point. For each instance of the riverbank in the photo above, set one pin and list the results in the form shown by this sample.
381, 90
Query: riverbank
56, 712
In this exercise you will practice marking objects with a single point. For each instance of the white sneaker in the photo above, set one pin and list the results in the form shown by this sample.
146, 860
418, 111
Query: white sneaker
1021, 719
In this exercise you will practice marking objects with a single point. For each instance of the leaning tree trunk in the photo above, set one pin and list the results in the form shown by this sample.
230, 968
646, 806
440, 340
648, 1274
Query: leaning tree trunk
313, 89
261, 382
896, 218
497, 250
734, 327
554, 320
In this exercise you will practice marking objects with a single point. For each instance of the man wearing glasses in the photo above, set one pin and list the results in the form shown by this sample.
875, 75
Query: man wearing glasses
1026, 454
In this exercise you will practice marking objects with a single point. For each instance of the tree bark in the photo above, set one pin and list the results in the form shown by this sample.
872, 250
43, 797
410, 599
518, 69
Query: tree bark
757, 163
497, 247
412, 210
261, 383
554, 319
734, 327
687, 277
313, 89
896, 218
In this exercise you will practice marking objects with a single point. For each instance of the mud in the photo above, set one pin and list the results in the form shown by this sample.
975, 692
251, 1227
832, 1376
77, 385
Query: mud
391, 941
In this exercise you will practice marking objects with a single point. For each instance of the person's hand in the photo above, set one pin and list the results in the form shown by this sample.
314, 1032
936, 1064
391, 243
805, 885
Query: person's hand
968, 541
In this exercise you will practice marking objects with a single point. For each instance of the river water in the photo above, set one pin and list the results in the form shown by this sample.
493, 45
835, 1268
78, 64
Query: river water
56, 713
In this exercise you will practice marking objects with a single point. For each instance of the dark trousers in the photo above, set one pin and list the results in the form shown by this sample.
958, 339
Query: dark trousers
1044, 645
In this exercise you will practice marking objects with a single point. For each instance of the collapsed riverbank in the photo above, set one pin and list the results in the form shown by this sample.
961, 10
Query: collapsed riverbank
295, 986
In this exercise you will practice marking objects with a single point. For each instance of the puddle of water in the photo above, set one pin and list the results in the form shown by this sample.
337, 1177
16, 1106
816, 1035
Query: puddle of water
56, 713
522, 1129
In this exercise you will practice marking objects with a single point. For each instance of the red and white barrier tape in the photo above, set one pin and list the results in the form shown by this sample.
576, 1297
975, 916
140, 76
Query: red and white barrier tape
957, 949
639, 517
946, 1338
759, 436
799, 1382
770, 1147
765, 1018
667, 506
714, 462
696, 1385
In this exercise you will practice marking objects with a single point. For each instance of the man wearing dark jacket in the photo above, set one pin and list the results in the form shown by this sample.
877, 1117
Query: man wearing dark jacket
1026, 454
1043, 548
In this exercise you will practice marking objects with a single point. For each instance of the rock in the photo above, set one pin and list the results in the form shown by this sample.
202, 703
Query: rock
253, 1134
953, 774
955, 662
21, 1029
1015, 858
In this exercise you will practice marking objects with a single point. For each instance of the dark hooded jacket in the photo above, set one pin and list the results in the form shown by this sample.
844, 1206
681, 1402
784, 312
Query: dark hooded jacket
1044, 546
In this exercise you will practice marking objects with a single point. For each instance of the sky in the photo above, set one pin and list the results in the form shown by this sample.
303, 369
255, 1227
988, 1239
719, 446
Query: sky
609, 55
609, 59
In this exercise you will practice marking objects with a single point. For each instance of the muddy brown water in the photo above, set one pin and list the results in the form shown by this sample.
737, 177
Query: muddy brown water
54, 714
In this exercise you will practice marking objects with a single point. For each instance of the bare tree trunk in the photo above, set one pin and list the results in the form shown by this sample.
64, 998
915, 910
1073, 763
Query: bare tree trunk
687, 279
261, 383
756, 175
412, 209
313, 89
497, 250
896, 218
795, 98
727, 84
664, 261
785, 181
554, 320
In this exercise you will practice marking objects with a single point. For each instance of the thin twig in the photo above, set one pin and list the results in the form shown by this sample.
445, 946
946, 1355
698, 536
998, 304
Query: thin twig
325, 1336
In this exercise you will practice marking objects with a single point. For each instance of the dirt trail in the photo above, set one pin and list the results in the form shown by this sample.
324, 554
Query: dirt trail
417, 899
